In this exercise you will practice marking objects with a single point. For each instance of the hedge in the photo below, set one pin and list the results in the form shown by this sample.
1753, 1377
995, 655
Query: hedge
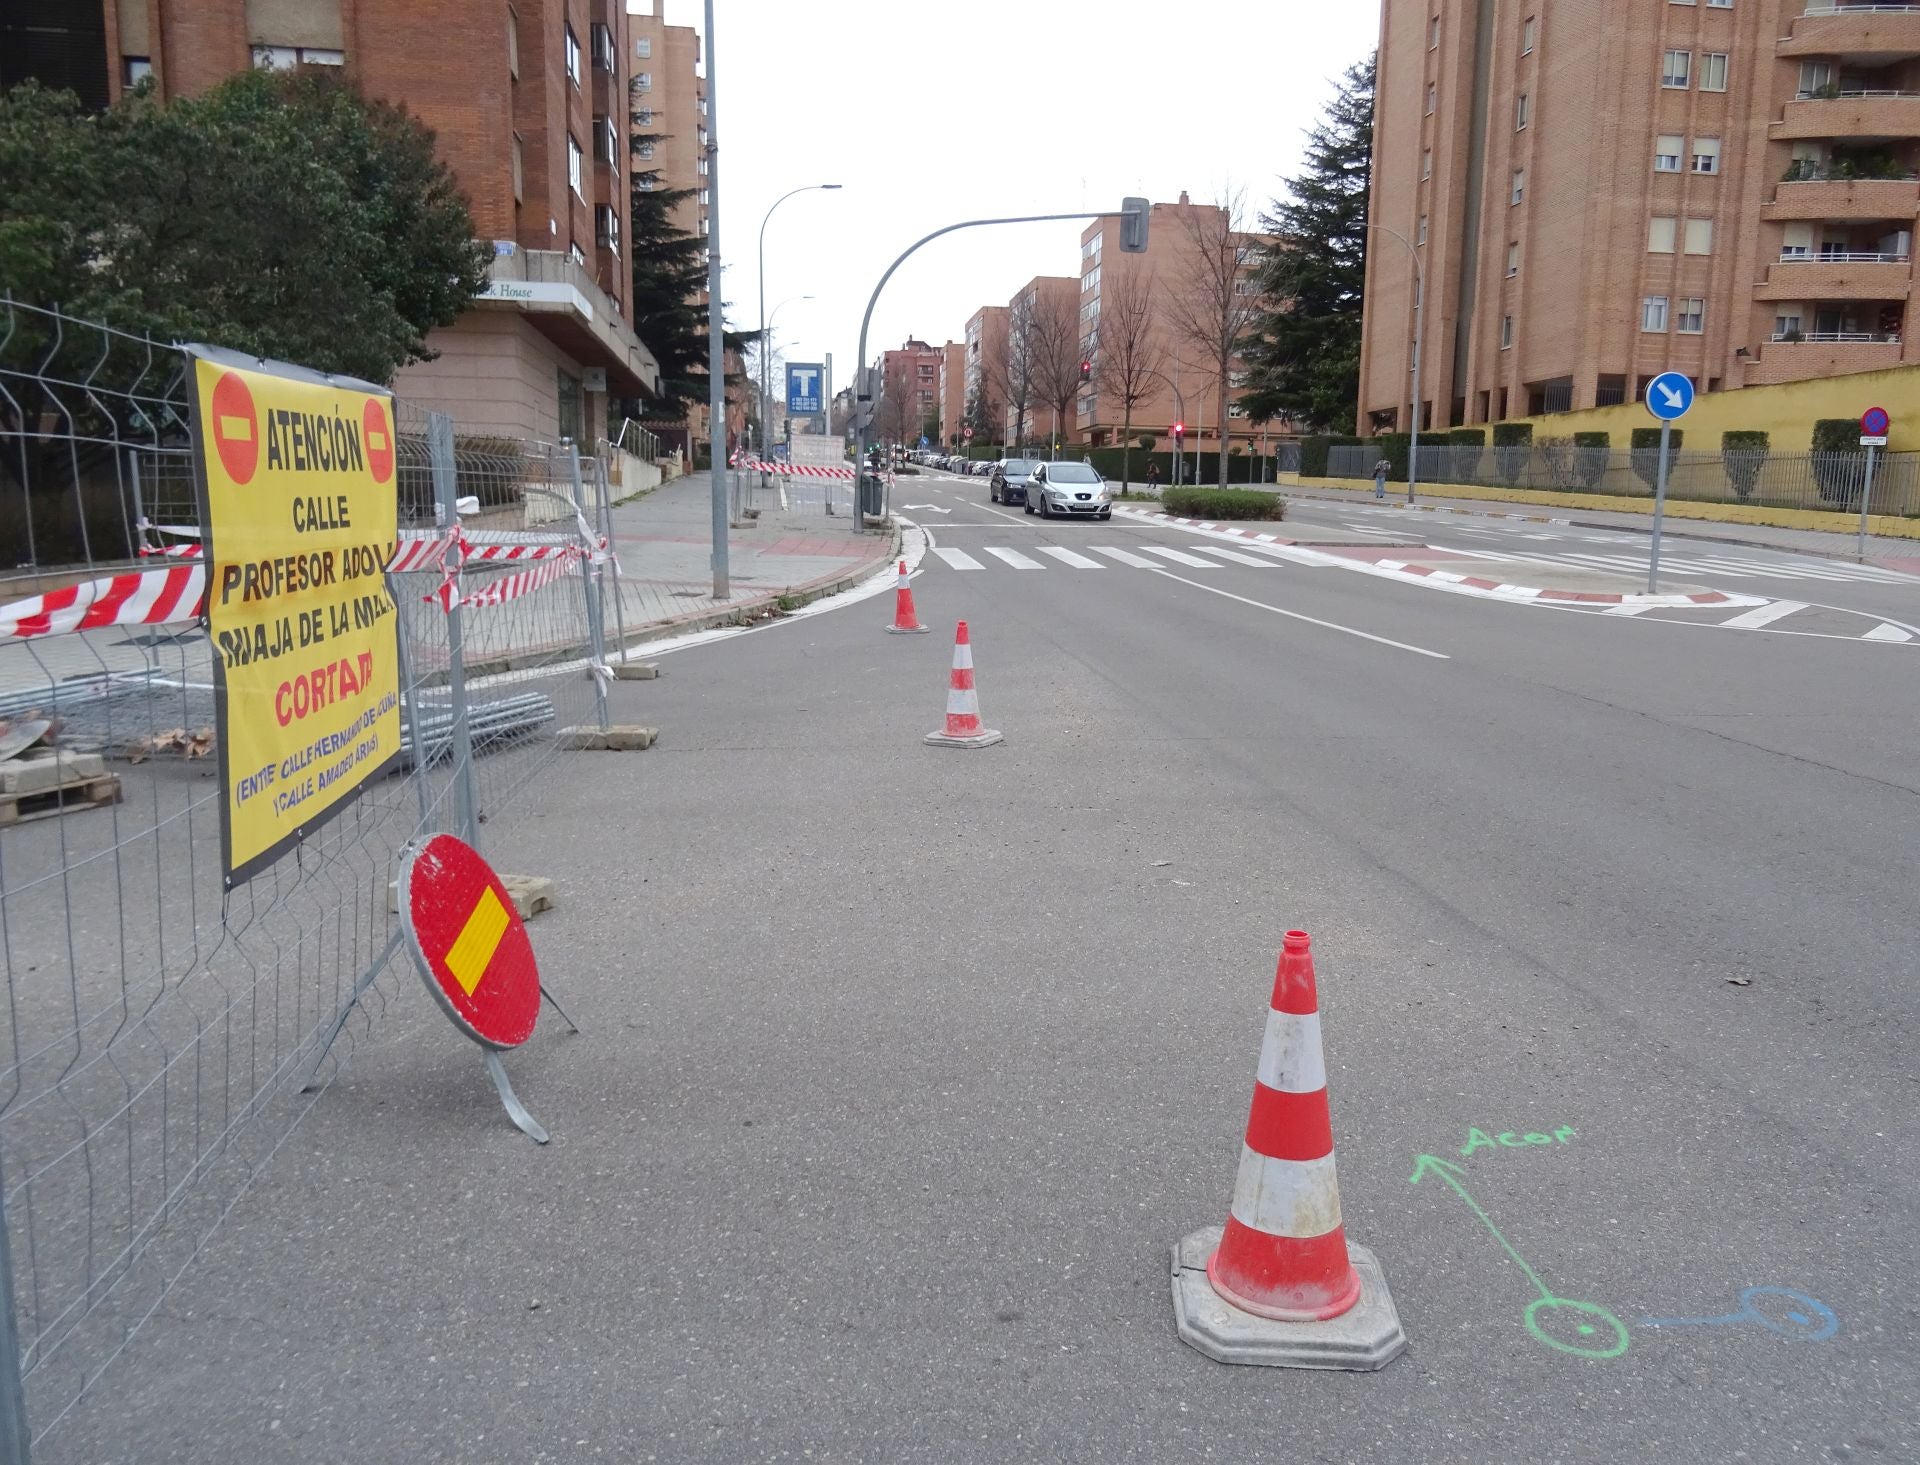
1469, 445
1222, 503
1744, 454
1512, 446
1394, 447
1646, 453
1839, 462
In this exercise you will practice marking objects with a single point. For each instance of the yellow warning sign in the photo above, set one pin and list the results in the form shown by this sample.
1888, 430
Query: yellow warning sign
299, 510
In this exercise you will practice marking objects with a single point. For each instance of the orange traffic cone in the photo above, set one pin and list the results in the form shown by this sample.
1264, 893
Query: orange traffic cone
1294, 1291
963, 729
905, 621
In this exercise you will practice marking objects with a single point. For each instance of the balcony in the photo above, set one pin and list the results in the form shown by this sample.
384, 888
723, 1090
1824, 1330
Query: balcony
1874, 34
1828, 198
1817, 355
1864, 116
562, 301
1836, 276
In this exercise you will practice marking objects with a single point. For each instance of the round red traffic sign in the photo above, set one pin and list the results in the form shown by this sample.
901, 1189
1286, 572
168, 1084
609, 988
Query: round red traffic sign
376, 427
236, 427
469, 942
1875, 422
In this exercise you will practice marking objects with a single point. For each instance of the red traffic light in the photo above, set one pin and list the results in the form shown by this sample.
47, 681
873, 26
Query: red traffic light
1179, 429
1086, 370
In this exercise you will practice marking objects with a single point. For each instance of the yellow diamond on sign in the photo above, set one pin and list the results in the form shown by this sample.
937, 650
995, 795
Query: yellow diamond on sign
472, 950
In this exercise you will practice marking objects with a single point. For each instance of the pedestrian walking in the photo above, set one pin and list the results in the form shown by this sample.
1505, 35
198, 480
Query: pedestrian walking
1153, 477
1380, 472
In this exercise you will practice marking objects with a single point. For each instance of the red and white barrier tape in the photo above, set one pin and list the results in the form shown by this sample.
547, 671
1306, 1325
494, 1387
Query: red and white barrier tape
138, 598
797, 470
507, 587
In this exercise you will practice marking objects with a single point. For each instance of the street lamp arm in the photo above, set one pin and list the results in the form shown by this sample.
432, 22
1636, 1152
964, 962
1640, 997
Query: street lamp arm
1419, 338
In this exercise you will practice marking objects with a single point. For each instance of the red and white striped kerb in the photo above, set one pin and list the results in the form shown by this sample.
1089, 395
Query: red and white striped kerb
139, 598
1283, 1254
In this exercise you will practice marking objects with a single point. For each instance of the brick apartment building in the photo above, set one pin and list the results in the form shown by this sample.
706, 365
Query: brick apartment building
1041, 299
1185, 377
986, 346
909, 401
528, 101
953, 393
1602, 190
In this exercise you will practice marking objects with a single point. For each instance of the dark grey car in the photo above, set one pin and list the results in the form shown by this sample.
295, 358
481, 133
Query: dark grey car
1009, 482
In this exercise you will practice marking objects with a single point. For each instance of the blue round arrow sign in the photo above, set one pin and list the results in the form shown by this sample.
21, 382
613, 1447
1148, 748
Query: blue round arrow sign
1669, 395
1875, 423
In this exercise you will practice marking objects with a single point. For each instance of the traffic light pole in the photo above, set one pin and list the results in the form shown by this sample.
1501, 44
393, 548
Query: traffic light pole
1133, 210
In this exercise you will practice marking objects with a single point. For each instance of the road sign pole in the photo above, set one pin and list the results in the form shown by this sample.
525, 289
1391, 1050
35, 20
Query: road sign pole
1659, 507
1866, 501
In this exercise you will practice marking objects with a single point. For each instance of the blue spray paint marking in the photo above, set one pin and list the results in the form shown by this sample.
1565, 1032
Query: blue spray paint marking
1777, 1309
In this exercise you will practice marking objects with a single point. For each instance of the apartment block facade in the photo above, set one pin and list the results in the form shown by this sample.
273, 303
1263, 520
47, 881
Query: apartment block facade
1598, 191
909, 403
986, 396
527, 100
953, 393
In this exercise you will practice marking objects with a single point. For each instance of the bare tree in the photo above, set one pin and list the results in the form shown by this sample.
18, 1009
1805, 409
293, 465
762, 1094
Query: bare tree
1053, 338
1126, 351
1011, 381
1221, 298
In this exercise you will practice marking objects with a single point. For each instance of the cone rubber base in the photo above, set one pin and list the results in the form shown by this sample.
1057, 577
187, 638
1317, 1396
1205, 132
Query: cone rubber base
908, 630
984, 739
1366, 1337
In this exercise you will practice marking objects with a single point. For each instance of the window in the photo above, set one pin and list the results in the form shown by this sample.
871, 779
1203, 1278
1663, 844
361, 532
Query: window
1660, 236
573, 165
1090, 281
135, 69
519, 169
647, 182
643, 48
1797, 243
1786, 325
1706, 155
703, 167
1719, 4
1426, 164
1653, 313
1433, 35
579, 255
1713, 71
573, 57
606, 227
1246, 288
1522, 111
513, 43
1519, 184
1506, 332
1527, 31
569, 406
285, 58
1699, 236
1420, 237
643, 117
1433, 96
606, 140
1693, 316
602, 47
706, 196
1667, 150
1513, 259
1816, 78
643, 82
1676, 71
646, 148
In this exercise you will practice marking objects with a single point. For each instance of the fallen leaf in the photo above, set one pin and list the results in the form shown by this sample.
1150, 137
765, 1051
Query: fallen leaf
1740, 981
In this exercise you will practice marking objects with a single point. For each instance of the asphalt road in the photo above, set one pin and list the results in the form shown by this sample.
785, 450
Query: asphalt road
904, 1068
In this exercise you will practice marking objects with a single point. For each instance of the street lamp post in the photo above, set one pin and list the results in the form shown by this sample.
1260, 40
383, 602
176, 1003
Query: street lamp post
803, 188
766, 352
1419, 337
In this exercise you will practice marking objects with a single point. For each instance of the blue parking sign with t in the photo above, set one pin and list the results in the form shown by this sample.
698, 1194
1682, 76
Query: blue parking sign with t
1669, 395
803, 389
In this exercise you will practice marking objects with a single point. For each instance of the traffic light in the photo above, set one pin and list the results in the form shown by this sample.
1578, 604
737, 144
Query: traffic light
1086, 370
1179, 429
1133, 225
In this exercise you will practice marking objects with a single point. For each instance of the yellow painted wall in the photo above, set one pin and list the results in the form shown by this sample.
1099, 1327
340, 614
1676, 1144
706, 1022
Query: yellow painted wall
1787, 411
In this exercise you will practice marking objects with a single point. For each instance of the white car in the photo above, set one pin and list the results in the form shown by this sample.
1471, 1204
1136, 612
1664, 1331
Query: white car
1071, 489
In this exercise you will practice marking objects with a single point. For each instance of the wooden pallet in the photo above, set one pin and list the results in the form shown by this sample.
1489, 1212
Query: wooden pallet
79, 793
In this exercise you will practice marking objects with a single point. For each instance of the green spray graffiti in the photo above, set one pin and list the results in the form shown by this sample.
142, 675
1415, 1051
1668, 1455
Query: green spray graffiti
1593, 1331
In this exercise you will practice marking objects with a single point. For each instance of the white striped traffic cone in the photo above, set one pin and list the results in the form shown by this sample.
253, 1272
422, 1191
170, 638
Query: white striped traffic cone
963, 729
906, 621
1294, 1291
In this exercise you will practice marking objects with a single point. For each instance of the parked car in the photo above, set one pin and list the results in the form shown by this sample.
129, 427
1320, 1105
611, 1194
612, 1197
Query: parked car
1009, 482
1073, 489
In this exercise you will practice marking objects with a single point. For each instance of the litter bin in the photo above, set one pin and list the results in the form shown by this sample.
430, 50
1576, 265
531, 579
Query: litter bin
872, 491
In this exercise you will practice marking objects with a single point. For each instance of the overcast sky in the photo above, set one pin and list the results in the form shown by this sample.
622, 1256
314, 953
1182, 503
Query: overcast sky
930, 112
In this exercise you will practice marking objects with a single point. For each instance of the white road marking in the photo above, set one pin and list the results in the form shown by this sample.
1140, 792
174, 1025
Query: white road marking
1765, 615
1015, 558
1245, 559
1626, 610
1180, 557
1296, 616
959, 559
1885, 632
1068, 557
1133, 561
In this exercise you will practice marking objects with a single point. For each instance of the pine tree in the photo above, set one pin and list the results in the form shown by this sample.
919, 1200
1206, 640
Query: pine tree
669, 275
1303, 356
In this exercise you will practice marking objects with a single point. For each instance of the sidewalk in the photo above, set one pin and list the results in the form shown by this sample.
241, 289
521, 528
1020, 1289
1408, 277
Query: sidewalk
1887, 552
664, 542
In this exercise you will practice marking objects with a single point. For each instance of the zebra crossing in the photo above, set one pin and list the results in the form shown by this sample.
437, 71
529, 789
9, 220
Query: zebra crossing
1721, 566
1191, 557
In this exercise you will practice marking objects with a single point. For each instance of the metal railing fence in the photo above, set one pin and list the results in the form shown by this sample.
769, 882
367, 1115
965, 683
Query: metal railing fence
166, 1033
1769, 479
